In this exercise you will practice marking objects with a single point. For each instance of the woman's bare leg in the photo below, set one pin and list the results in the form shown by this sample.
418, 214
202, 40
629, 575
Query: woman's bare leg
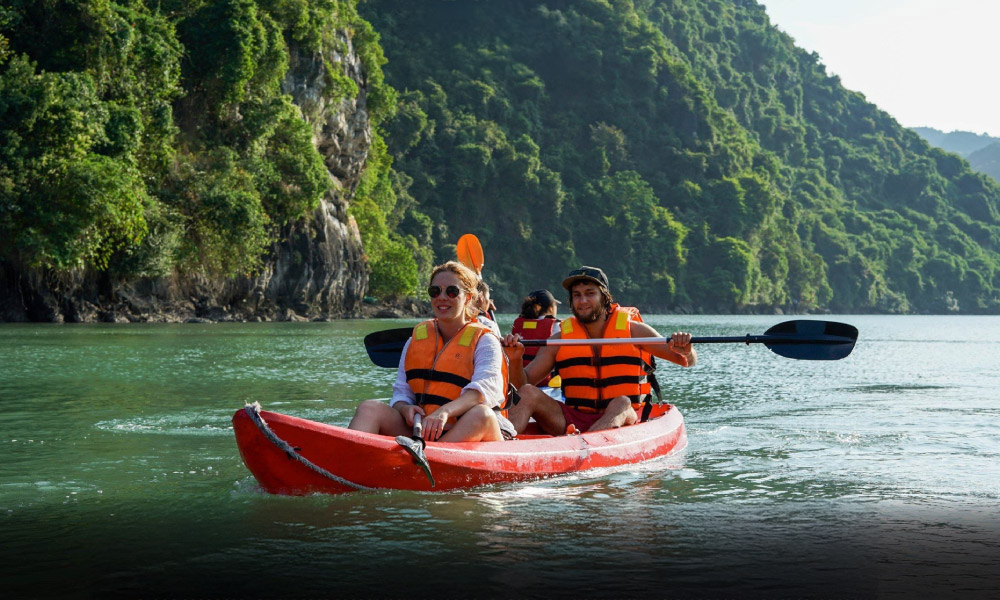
478, 424
375, 416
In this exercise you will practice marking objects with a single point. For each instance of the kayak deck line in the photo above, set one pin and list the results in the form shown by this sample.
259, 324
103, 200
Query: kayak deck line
254, 411
442, 447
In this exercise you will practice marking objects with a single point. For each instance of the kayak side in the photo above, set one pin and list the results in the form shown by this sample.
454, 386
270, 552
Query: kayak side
333, 459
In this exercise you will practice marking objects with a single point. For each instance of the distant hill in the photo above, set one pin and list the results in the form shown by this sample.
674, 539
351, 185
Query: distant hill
982, 151
987, 160
959, 142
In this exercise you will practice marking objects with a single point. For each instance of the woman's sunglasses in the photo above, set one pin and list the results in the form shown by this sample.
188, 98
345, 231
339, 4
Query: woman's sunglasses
435, 290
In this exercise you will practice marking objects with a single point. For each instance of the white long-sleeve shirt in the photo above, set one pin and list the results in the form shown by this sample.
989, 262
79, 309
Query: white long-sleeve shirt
490, 323
487, 377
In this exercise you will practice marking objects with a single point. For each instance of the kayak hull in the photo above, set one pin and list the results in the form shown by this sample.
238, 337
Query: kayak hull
334, 460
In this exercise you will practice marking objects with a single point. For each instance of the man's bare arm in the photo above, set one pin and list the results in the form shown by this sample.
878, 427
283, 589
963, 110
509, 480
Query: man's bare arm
679, 350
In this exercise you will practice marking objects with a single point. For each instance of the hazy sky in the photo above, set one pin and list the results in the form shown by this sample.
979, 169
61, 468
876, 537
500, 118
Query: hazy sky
926, 62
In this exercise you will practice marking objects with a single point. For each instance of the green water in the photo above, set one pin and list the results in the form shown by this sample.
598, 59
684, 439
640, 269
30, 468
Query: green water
873, 476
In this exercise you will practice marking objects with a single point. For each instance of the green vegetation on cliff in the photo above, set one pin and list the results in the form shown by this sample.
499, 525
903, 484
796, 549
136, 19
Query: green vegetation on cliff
141, 137
687, 146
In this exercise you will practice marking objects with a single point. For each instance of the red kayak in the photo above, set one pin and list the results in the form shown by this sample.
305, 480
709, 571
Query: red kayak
294, 456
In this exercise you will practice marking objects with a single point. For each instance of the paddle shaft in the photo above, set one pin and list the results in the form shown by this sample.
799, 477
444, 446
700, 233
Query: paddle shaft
418, 426
799, 339
735, 339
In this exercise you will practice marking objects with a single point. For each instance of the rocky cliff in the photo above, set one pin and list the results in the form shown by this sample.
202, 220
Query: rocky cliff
316, 270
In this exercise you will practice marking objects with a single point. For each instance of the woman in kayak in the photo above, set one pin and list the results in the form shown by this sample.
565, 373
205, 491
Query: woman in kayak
538, 321
453, 371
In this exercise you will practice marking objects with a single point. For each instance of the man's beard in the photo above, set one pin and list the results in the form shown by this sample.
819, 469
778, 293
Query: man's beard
595, 314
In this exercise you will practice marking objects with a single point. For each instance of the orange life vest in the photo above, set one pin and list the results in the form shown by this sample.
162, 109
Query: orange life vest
437, 376
649, 363
592, 376
535, 329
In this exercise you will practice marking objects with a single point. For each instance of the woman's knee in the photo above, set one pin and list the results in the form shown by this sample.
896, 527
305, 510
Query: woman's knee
480, 414
374, 416
371, 407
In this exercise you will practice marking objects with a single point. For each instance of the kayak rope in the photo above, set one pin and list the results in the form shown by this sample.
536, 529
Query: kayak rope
253, 410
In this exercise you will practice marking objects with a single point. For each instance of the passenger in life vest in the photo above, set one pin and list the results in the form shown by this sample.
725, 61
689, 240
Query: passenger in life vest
537, 321
603, 385
453, 372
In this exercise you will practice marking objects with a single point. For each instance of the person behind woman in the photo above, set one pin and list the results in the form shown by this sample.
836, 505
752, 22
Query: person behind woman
452, 371
537, 321
484, 304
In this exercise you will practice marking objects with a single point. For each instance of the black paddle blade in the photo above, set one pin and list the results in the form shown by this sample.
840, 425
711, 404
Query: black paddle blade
385, 348
810, 340
416, 449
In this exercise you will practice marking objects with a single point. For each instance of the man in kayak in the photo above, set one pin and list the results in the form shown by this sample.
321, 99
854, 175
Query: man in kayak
452, 371
604, 385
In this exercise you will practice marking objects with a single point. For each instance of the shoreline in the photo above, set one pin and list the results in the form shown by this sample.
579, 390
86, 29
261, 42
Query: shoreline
404, 308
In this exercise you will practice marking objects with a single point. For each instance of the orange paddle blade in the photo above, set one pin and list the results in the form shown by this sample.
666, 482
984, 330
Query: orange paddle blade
470, 252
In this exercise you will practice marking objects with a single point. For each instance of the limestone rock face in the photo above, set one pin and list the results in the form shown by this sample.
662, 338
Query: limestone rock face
320, 270
317, 270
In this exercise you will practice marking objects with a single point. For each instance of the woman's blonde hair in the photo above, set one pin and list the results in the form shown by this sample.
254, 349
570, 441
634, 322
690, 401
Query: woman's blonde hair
468, 281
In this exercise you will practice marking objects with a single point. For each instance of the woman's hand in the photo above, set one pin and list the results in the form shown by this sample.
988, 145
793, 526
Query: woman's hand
434, 424
408, 410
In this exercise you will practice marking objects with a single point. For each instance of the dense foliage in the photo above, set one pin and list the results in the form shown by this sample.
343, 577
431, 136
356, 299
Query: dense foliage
687, 146
141, 137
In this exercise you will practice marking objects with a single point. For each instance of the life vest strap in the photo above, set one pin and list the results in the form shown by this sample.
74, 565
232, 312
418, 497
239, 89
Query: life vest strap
602, 383
608, 361
588, 405
622, 379
580, 361
432, 375
647, 409
585, 405
432, 400
600, 361
655, 386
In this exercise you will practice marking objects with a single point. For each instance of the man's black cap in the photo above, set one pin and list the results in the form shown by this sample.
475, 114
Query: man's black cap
586, 273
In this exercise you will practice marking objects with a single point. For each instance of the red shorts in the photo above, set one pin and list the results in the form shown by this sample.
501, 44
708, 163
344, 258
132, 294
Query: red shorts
582, 420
